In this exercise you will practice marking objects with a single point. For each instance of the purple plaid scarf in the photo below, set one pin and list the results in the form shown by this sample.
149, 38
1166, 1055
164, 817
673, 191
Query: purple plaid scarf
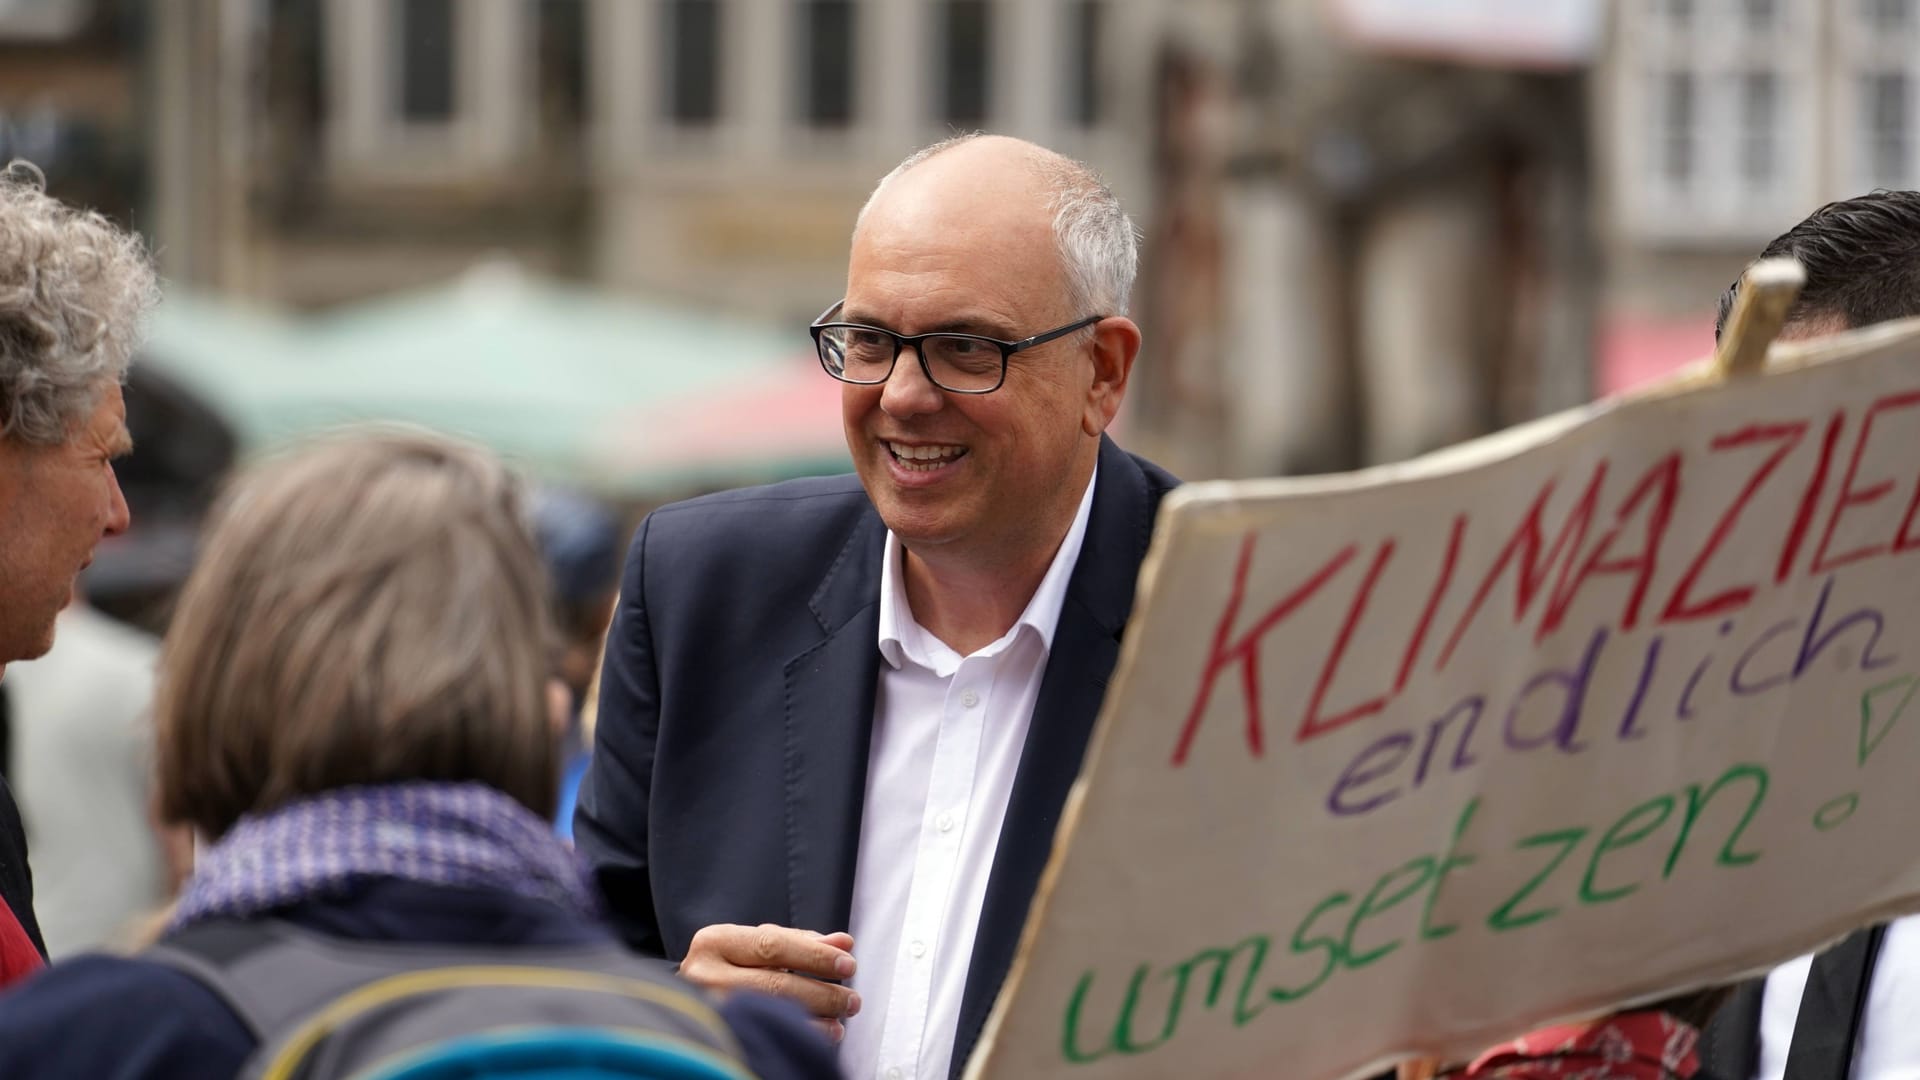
463, 834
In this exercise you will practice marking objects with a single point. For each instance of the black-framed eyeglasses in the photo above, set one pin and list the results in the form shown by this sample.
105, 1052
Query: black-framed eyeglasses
957, 363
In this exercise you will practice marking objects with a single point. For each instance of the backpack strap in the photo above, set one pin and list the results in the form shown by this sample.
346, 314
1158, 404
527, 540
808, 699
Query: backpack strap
246, 964
276, 976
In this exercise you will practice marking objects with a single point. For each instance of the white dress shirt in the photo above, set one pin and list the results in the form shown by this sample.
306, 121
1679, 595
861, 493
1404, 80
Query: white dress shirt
1889, 1047
947, 736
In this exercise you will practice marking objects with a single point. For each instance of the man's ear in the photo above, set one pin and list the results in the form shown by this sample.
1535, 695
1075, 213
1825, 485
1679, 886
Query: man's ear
1116, 342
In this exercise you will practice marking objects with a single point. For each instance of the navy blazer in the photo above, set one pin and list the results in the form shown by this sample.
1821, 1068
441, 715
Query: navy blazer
736, 710
1827, 1027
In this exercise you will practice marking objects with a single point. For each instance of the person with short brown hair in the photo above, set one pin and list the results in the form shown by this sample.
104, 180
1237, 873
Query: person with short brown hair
352, 713
370, 613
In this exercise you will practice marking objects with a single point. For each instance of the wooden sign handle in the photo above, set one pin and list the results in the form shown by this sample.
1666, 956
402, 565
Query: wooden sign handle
1767, 292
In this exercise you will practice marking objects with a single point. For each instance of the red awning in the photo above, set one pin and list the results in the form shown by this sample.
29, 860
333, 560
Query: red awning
1638, 350
766, 425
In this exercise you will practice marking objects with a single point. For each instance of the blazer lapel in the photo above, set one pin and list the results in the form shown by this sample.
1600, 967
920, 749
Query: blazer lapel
1832, 1007
1085, 646
1730, 1044
830, 690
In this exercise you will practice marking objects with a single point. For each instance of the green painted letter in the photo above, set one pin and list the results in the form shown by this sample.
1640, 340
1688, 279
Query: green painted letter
1448, 864
1330, 944
1619, 835
1503, 917
1696, 801
1374, 904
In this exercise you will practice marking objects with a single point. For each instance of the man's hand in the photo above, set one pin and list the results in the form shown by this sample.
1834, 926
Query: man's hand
777, 960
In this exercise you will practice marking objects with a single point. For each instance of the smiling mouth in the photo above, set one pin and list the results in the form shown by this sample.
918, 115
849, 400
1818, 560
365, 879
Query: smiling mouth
924, 458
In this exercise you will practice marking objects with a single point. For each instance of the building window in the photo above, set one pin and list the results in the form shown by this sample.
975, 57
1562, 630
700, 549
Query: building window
1084, 22
1884, 116
417, 90
1887, 16
829, 50
1879, 62
966, 61
1717, 127
1759, 126
562, 62
426, 47
1676, 127
691, 60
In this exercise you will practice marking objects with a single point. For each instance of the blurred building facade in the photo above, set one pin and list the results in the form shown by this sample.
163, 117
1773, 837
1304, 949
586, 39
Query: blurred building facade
1369, 239
1726, 121
72, 77
1383, 225
713, 151
1294, 168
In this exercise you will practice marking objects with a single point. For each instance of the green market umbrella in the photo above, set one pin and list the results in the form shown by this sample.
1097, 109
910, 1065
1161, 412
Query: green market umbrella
550, 377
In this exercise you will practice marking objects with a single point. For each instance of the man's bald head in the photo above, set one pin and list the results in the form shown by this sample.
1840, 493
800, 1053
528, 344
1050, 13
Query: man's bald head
1020, 183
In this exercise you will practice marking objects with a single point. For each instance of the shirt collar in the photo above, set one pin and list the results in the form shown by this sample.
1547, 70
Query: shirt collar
902, 638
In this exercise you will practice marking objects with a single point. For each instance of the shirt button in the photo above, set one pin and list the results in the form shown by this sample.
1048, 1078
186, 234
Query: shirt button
969, 699
895, 1073
918, 949
944, 823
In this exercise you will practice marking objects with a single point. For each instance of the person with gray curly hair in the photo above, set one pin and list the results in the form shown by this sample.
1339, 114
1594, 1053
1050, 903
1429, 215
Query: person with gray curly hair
73, 289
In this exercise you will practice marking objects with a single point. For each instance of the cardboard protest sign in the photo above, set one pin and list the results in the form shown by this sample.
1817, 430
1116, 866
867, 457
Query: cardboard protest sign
1617, 704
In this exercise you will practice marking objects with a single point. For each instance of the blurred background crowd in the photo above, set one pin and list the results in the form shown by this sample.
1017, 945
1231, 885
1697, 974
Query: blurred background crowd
589, 234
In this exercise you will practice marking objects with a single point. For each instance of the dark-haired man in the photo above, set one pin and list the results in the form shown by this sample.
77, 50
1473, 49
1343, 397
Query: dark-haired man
1862, 258
1850, 1011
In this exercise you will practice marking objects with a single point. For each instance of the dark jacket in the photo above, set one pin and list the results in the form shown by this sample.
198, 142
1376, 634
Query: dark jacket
16, 890
1827, 1026
115, 1018
736, 710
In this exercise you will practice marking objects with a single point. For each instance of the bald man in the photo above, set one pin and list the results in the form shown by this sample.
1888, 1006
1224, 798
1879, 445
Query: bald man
839, 717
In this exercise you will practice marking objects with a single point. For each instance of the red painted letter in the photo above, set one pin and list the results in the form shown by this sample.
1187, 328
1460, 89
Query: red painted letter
1312, 726
1851, 497
1663, 482
1419, 639
1810, 499
1525, 543
1246, 650
1902, 541
1681, 605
